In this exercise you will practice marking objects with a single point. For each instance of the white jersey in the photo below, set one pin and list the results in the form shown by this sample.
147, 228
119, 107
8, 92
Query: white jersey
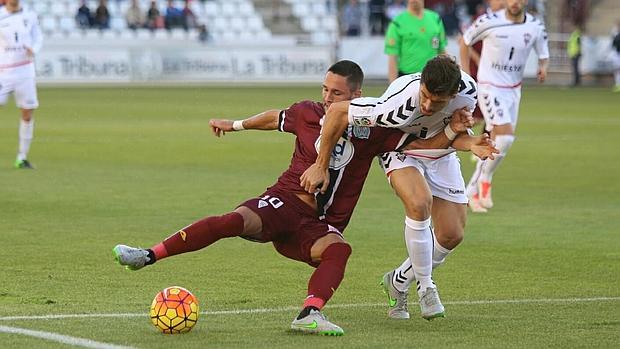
506, 47
18, 31
399, 107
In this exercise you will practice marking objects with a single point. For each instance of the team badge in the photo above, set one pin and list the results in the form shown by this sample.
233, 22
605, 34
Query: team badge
361, 121
527, 37
361, 132
401, 157
446, 120
500, 112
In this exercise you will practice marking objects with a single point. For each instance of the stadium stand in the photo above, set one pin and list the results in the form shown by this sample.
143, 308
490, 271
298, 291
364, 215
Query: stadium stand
226, 20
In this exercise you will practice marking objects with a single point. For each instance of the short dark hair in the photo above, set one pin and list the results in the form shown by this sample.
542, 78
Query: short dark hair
441, 76
351, 71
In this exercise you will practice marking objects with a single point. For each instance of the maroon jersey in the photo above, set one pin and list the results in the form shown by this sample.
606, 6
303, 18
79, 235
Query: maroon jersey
351, 159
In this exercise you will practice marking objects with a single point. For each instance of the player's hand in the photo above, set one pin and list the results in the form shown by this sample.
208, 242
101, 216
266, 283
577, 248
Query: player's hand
541, 75
462, 119
220, 127
29, 52
484, 148
313, 178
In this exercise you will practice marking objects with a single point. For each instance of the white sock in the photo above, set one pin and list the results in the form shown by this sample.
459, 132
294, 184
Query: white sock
472, 186
502, 143
439, 253
419, 241
26, 132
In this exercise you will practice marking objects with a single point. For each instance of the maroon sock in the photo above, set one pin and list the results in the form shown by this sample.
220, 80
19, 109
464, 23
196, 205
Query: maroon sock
328, 275
200, 235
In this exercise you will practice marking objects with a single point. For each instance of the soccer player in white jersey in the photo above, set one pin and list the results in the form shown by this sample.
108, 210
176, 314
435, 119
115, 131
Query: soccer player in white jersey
20, 40
508, 37
429, 183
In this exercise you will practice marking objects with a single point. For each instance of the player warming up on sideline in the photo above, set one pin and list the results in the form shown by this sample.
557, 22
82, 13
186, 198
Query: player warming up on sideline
20, 40
429, 183
285, 214
508, 37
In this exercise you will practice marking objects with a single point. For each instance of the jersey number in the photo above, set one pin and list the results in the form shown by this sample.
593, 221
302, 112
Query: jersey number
273, 201
512, 51
16, 38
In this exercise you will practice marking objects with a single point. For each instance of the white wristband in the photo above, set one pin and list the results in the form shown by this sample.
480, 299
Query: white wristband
449, 132
238, 125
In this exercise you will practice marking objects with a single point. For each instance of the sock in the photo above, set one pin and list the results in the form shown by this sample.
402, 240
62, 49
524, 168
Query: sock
419, 241
472, 186
26, 132
403, 276
328, 275
200, 235
439, 253
502, 143
617, 78
306, 311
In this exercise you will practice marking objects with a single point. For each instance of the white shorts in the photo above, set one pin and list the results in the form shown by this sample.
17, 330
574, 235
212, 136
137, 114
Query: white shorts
443, 175
499, 106
24, 90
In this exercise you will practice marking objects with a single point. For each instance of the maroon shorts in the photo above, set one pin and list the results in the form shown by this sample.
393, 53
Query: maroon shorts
290, 224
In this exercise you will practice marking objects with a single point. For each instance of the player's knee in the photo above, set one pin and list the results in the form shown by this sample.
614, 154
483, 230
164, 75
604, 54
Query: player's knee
418, 208
337, 251
450, 237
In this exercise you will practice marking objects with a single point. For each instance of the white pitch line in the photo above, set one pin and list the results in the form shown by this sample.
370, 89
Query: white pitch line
291, 308
75, 341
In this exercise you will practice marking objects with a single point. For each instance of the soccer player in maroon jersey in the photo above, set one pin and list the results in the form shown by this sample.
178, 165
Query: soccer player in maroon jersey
301, 226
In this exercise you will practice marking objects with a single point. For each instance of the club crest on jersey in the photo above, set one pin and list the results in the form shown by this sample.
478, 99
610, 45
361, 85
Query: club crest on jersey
341, 155
361, 132
527, 37
361, 121
401, 157
446, 120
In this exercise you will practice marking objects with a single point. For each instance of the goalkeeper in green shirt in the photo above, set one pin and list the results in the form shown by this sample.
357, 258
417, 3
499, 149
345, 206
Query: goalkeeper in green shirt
412, 39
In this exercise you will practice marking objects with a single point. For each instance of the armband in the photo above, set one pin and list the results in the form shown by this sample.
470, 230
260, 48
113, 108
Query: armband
238, 125
449, 132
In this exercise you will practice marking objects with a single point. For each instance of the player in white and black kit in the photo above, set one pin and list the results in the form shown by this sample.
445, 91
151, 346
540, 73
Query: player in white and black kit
20, 40
428, 182
508, 37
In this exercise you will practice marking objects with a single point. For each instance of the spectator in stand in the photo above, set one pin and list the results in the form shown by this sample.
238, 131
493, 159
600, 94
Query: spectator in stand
173, 17
83, 17
352, 18
203, 34
576, 11
153, 17
377, 19
102, 15
135, 16
395, 8
189, 19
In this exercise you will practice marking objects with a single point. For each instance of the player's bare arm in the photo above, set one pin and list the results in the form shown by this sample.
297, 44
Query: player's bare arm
267, 120
461, 121
392, 67
335, 122
542, 70
464, 51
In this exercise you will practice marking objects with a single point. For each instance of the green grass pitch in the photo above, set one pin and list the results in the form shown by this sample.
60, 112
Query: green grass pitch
133, 165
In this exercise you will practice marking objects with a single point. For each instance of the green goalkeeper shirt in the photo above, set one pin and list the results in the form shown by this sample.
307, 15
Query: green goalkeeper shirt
415, 41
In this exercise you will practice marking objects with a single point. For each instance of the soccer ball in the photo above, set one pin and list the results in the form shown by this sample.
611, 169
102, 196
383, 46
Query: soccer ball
174, 310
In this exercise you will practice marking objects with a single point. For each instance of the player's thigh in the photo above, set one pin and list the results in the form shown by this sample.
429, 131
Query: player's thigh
445, 179
26, 94
449, 220
406, 176
270, 216
6, 87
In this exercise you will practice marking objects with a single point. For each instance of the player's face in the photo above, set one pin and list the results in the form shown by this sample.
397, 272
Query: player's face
430, 103
416, 4
336, 89
515, 7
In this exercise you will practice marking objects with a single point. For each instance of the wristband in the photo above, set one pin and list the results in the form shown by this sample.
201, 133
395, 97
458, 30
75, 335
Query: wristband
449, 132
238, 125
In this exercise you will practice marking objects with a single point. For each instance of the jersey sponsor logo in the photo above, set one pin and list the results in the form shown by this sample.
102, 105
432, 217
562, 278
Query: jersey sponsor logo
456, 191
527, 37
361, 121
361, 132
511, 68
341, 155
